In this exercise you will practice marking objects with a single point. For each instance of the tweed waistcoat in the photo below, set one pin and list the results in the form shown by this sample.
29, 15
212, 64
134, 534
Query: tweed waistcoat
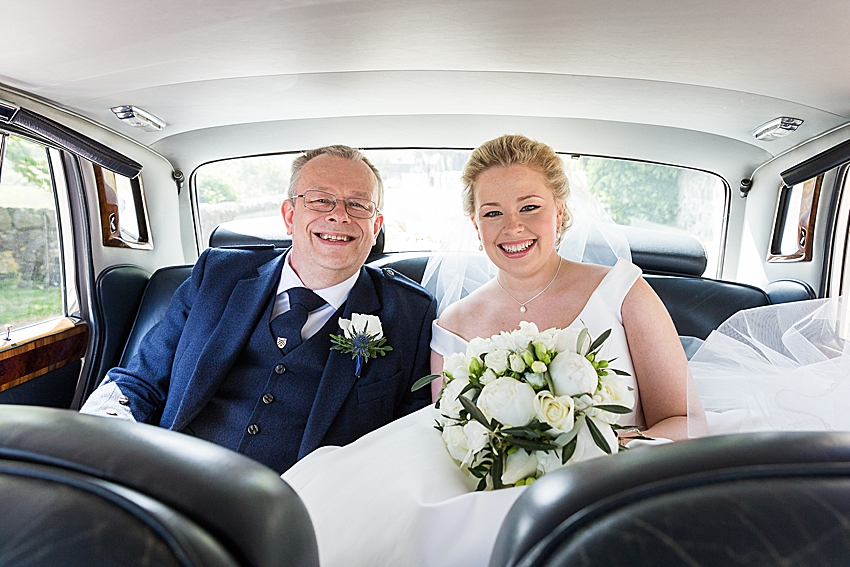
262, 407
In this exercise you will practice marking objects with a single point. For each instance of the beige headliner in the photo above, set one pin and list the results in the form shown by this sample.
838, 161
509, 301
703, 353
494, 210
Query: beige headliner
721, 67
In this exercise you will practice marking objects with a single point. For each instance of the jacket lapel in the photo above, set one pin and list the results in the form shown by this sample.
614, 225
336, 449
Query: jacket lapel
338, 377
246, 303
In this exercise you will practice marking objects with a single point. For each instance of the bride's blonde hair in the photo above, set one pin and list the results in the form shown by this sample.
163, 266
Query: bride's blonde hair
513, 149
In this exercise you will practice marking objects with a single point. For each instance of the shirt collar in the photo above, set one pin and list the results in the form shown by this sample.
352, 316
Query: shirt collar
334, 295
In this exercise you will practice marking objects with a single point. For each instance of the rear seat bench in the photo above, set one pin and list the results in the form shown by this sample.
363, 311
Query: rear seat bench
128, 303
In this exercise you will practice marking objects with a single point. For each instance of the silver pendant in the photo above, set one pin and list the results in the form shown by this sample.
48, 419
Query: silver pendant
281, 342
522, 308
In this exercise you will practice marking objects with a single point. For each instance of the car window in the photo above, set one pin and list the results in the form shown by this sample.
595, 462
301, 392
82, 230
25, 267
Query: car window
31, 282
422, 195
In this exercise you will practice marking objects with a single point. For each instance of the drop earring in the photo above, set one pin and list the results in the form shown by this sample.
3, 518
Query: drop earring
480, 247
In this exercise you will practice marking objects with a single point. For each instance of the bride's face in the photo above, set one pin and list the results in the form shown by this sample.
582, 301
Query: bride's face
516, 216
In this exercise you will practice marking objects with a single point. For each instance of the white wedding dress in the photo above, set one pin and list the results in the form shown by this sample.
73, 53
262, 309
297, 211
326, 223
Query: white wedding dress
396, 498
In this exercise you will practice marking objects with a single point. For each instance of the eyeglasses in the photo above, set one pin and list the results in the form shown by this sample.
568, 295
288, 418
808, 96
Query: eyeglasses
325, 203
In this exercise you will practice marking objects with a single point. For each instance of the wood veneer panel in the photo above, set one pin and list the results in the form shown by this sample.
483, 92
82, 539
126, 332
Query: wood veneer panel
35, 358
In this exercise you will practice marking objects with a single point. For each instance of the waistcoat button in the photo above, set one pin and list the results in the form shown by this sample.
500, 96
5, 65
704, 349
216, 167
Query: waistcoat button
279, 369
253, 429
268, 398
111, 411
123, 400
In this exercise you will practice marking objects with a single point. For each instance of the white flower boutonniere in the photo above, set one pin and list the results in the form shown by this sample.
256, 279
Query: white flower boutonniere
362, 337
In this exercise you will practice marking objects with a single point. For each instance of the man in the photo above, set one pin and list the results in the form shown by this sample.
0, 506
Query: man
234, 362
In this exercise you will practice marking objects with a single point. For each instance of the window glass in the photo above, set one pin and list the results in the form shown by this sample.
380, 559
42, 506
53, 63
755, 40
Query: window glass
30, 269
422, 195
246, 188
796, 209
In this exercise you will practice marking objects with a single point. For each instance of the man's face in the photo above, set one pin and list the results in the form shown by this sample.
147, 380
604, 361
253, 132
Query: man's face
328, 248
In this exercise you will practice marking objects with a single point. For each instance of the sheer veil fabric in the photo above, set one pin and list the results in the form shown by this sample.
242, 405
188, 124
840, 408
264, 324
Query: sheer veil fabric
777, 368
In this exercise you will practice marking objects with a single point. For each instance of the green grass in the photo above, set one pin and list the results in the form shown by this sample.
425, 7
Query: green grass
27, 306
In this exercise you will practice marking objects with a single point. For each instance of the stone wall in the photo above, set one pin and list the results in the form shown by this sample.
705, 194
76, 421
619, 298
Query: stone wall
29, 247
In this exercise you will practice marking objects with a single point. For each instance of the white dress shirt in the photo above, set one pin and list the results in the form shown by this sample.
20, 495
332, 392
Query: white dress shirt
334, 296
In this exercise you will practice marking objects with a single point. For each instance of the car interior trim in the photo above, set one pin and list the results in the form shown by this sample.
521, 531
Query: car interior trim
75, 142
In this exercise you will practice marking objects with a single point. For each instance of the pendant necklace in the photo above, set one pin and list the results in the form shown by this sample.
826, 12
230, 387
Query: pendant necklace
521, 304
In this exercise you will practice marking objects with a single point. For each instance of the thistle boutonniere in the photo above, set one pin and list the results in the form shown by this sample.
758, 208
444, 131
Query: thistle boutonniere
362, 337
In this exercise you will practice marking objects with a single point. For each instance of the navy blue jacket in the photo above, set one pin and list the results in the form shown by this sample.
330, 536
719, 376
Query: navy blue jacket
186, 356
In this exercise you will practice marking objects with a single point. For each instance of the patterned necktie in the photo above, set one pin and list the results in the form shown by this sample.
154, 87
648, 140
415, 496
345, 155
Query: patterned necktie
286, 327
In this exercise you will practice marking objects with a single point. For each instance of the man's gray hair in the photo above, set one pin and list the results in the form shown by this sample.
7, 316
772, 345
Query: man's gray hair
339, 151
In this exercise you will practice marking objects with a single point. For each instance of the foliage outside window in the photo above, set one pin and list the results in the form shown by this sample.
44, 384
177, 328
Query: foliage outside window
422, 195
30, 270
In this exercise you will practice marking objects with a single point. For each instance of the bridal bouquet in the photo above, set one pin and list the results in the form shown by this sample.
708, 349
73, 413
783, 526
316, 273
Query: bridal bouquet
524, 403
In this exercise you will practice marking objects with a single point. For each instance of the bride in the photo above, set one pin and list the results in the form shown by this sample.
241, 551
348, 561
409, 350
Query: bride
395, 497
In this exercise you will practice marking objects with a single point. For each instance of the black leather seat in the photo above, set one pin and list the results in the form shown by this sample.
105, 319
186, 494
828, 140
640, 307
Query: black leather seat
749, 499
89, 491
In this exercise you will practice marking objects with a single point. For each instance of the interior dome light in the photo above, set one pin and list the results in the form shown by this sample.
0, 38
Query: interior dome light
776, 128
138, 118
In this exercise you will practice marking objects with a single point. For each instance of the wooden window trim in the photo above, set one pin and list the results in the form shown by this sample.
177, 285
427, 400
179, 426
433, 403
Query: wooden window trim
107, 196
38, 349
805, 223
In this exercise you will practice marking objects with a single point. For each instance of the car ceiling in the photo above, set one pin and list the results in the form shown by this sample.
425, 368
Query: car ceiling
721, 67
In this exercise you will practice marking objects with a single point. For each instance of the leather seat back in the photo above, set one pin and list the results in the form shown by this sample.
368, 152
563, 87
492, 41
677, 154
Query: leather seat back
754, 499
84, 490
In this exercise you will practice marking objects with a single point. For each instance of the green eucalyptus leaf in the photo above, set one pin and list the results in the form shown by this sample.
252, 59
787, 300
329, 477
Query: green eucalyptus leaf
619, 372
568, 450
474, 412
564, 438
530, 445
599, 340
582, 337
424, 381
611, 408
598, 438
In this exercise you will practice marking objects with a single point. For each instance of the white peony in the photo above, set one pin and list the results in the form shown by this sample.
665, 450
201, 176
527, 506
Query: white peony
613, 391
557, 411
359, 323
497, 360
567, 339
508, 401
450, 406
572, 374
519, 465
548, 461
586, 447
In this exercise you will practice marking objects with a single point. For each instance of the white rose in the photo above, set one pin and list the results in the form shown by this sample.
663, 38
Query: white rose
508, 401
456, 443
526, 334
477, 347
517, 363
572, 374
456, 365
477, 437
487, 377
559, 412
548, 461
519, 465
368, 324
450, 406
566, 340
613, 391
497, 361
586, 447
